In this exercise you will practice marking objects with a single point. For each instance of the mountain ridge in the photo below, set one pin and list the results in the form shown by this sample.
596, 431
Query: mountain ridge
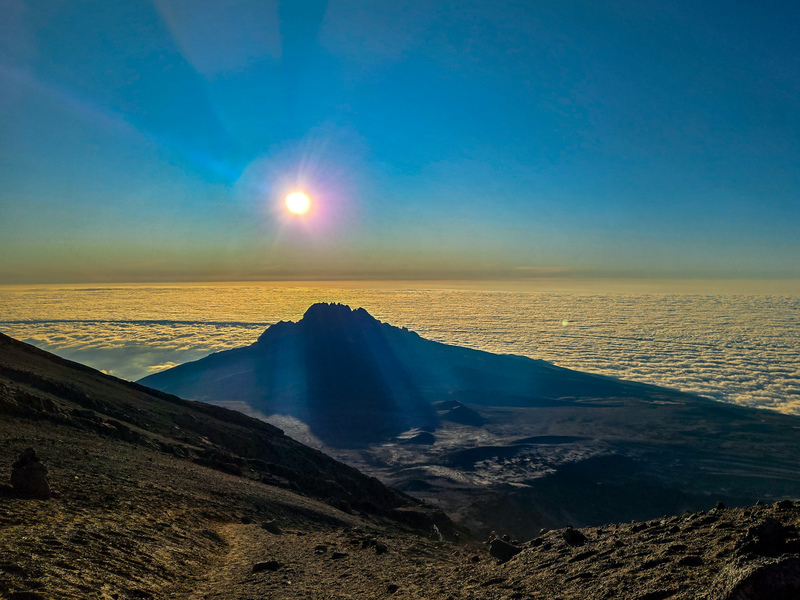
443, 422
393, 375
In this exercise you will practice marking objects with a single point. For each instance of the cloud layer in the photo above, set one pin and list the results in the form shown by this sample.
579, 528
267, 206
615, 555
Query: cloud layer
740, 349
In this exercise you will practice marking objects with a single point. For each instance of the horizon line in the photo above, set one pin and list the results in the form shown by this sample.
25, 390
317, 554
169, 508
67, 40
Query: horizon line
744, 286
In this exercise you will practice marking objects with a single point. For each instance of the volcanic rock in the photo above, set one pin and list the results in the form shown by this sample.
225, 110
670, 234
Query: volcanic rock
503, 551
270, 565
272, 526
29, 476
768, 538
775, 580
573, 537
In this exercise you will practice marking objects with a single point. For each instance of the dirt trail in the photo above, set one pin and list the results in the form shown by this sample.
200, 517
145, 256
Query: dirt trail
325, 563
222, 578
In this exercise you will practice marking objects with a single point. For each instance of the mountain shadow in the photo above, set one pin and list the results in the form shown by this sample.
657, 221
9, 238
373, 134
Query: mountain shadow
499, 440
357, 381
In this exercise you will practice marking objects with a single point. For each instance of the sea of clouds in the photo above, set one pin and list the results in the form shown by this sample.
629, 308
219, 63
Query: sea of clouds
741, 349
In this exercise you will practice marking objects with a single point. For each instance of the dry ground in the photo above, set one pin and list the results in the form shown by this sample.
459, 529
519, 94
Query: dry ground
136, 523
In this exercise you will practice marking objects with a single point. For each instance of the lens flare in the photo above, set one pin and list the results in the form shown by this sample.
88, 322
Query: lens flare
298, 203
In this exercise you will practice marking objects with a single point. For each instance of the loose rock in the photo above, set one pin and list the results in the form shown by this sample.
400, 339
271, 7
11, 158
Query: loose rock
772, 581
768, 538
270, 565
29, 476
573, 537
503, 551
272, 527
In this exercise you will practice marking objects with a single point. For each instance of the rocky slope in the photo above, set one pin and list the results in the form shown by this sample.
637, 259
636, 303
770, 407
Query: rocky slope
149, 502
36, 385
133, 522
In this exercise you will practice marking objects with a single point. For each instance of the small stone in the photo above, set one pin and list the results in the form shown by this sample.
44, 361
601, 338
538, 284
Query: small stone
381, 548
720, 505
392, 588
338, 555
272, 527
784, 504
691, 561
320, 549
573, 537
270, 565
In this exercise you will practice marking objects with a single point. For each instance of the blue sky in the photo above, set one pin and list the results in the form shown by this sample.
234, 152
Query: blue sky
155, 141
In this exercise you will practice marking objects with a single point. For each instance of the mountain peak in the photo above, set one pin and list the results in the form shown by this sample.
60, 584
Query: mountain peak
333, 311
323, 317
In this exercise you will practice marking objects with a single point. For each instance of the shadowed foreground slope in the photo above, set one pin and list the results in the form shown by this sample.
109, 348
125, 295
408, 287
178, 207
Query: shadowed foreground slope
38, 385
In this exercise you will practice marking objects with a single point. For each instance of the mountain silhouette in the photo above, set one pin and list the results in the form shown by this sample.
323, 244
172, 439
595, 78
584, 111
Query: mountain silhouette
355, 381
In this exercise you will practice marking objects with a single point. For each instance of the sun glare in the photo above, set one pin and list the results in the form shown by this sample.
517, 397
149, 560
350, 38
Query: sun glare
298, 203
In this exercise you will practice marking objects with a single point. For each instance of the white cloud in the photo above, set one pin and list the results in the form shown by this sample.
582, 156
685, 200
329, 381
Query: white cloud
741, 349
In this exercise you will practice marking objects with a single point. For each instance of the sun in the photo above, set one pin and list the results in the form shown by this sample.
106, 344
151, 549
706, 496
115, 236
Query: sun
298, 203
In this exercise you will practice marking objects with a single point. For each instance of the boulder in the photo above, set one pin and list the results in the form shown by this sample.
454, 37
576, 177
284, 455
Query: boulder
768, 538
778, 579
29, 476
503, 551
272, 527
573, 537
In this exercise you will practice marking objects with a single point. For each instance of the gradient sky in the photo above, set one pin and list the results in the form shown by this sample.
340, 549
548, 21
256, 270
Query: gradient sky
156, 140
